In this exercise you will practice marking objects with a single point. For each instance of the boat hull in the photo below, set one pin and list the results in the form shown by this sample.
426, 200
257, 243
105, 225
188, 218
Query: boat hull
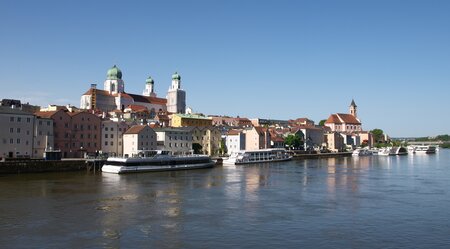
225, 162
151, 168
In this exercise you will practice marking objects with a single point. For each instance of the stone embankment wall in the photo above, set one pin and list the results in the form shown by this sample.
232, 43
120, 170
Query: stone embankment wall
39, 166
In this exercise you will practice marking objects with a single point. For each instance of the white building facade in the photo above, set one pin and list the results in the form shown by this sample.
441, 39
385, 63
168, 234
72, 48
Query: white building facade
138, 138
235, 141
112, 136
176, 140
16, 133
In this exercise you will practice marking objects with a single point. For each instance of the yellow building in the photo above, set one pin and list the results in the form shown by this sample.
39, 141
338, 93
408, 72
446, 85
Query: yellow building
209, 138
183, 120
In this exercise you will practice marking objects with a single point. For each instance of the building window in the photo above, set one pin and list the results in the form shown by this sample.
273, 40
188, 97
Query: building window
89, 127
28, 120
11, 119
112, 129
66, 125
81, 136
106, 128
40, 122
111, 143
120, 143
11, 130
112, 135
106, 135
11, 141
89, 135
18, 141
19, 119
48, 123
106, 143
89, 145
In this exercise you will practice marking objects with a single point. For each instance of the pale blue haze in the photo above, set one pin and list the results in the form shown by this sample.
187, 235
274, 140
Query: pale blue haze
268, 59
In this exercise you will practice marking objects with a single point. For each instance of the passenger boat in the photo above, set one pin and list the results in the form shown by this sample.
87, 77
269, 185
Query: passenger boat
362, 152
148, 161
425, 149
257, 156
393, 151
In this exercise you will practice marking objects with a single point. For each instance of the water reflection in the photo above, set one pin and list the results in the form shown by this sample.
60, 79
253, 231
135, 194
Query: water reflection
366, 202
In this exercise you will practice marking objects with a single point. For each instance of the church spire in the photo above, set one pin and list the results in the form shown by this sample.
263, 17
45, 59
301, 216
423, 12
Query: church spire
353, 108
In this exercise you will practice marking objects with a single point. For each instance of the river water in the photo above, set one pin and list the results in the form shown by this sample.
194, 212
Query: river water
367, 202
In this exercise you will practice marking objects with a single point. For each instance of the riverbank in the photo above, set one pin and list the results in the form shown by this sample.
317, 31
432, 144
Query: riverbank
65, 165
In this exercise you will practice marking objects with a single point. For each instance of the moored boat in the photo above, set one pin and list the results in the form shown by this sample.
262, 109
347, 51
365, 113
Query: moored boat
257, 156
425, 149
362, 152
148, 161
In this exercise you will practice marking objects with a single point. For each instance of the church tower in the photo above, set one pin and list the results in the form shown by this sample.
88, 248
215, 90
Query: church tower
114, 83
353, 109
149, 88
176, 97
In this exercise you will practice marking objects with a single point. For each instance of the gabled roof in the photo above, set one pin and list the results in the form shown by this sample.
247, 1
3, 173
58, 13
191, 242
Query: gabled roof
135, 129
342, 118
137, 108
45, 114
97, 91
333, 119
233, 132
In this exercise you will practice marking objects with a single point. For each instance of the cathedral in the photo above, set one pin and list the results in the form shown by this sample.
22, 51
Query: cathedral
114, 98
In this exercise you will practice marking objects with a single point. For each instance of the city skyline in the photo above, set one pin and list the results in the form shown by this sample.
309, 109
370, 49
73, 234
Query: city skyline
279, 60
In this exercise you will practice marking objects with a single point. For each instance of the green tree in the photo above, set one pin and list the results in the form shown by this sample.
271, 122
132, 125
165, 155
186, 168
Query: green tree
377, 134
223, 147
322, 122
293, 141
197, 148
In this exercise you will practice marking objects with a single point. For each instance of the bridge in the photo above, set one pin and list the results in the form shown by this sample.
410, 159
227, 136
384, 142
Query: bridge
425, 143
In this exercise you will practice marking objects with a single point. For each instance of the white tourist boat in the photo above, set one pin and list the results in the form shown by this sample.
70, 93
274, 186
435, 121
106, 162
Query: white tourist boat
425, 149
156, 160
393, 151
257, 156
362, 152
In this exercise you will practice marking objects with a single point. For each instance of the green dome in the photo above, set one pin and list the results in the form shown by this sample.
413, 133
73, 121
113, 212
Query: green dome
114, 73
149, 80
176, 76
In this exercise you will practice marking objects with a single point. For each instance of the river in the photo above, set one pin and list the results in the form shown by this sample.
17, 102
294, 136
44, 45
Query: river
366, 202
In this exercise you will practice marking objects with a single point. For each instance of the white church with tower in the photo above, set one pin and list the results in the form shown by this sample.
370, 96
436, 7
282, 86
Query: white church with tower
113, 97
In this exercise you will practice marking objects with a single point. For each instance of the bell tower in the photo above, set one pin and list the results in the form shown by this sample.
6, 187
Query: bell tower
176, 97
353, 109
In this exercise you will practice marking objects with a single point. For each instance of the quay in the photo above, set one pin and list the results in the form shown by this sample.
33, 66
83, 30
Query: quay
45, 166
95, 164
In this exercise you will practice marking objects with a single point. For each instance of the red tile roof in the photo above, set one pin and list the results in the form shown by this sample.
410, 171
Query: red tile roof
233, 132
98, 91
135, 129
333, 119
342, 118
45, 114
137, 108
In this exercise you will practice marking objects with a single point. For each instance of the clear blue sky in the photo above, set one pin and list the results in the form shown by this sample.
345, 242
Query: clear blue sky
267, 59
